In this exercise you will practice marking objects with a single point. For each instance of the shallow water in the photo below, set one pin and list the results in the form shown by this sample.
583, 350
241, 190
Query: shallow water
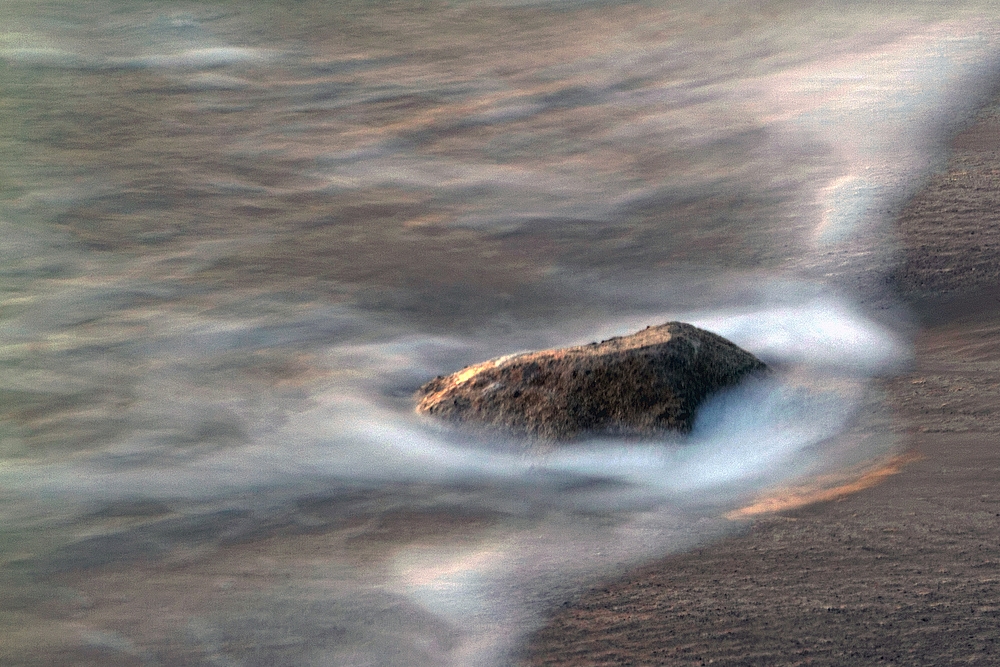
237, 237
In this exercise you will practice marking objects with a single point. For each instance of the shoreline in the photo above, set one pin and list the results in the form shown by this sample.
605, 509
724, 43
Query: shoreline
903, 570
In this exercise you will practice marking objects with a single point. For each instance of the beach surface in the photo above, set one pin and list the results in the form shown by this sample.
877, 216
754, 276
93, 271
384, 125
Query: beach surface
904, 572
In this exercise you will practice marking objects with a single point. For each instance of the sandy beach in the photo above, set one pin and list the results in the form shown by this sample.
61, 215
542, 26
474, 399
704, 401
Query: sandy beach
906, 572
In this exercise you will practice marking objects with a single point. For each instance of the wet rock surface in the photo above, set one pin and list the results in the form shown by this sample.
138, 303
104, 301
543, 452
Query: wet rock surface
638, 385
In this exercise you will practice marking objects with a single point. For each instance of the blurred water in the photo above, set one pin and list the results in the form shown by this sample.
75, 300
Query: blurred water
236, 237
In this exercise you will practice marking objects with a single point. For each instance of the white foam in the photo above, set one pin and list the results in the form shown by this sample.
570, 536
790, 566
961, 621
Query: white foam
203, 58
826, 332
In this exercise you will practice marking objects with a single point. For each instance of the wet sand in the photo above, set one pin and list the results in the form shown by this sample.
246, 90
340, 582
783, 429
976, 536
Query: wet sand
906, 572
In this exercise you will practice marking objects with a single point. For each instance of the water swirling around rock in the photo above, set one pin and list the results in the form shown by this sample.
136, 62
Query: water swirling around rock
237, 238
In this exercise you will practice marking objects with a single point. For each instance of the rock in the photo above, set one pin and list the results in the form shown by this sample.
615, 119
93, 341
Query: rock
638, 385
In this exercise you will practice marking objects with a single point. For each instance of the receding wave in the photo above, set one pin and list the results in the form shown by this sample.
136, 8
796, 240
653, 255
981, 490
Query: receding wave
236, 241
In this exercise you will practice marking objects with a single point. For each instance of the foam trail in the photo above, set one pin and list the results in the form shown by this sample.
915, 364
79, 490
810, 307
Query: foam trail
354, 437
821, 332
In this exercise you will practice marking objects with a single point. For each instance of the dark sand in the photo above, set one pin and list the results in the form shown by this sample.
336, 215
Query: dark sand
906, 572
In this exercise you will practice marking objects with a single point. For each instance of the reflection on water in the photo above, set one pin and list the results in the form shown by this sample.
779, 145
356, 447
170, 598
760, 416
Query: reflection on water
235, 238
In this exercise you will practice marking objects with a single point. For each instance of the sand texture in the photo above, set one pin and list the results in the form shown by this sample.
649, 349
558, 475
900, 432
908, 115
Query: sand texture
906, 572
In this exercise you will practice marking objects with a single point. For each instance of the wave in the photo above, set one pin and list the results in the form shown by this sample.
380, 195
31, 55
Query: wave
223, 287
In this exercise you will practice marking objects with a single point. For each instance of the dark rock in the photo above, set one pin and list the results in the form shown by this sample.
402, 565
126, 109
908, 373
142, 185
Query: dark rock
638, 385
